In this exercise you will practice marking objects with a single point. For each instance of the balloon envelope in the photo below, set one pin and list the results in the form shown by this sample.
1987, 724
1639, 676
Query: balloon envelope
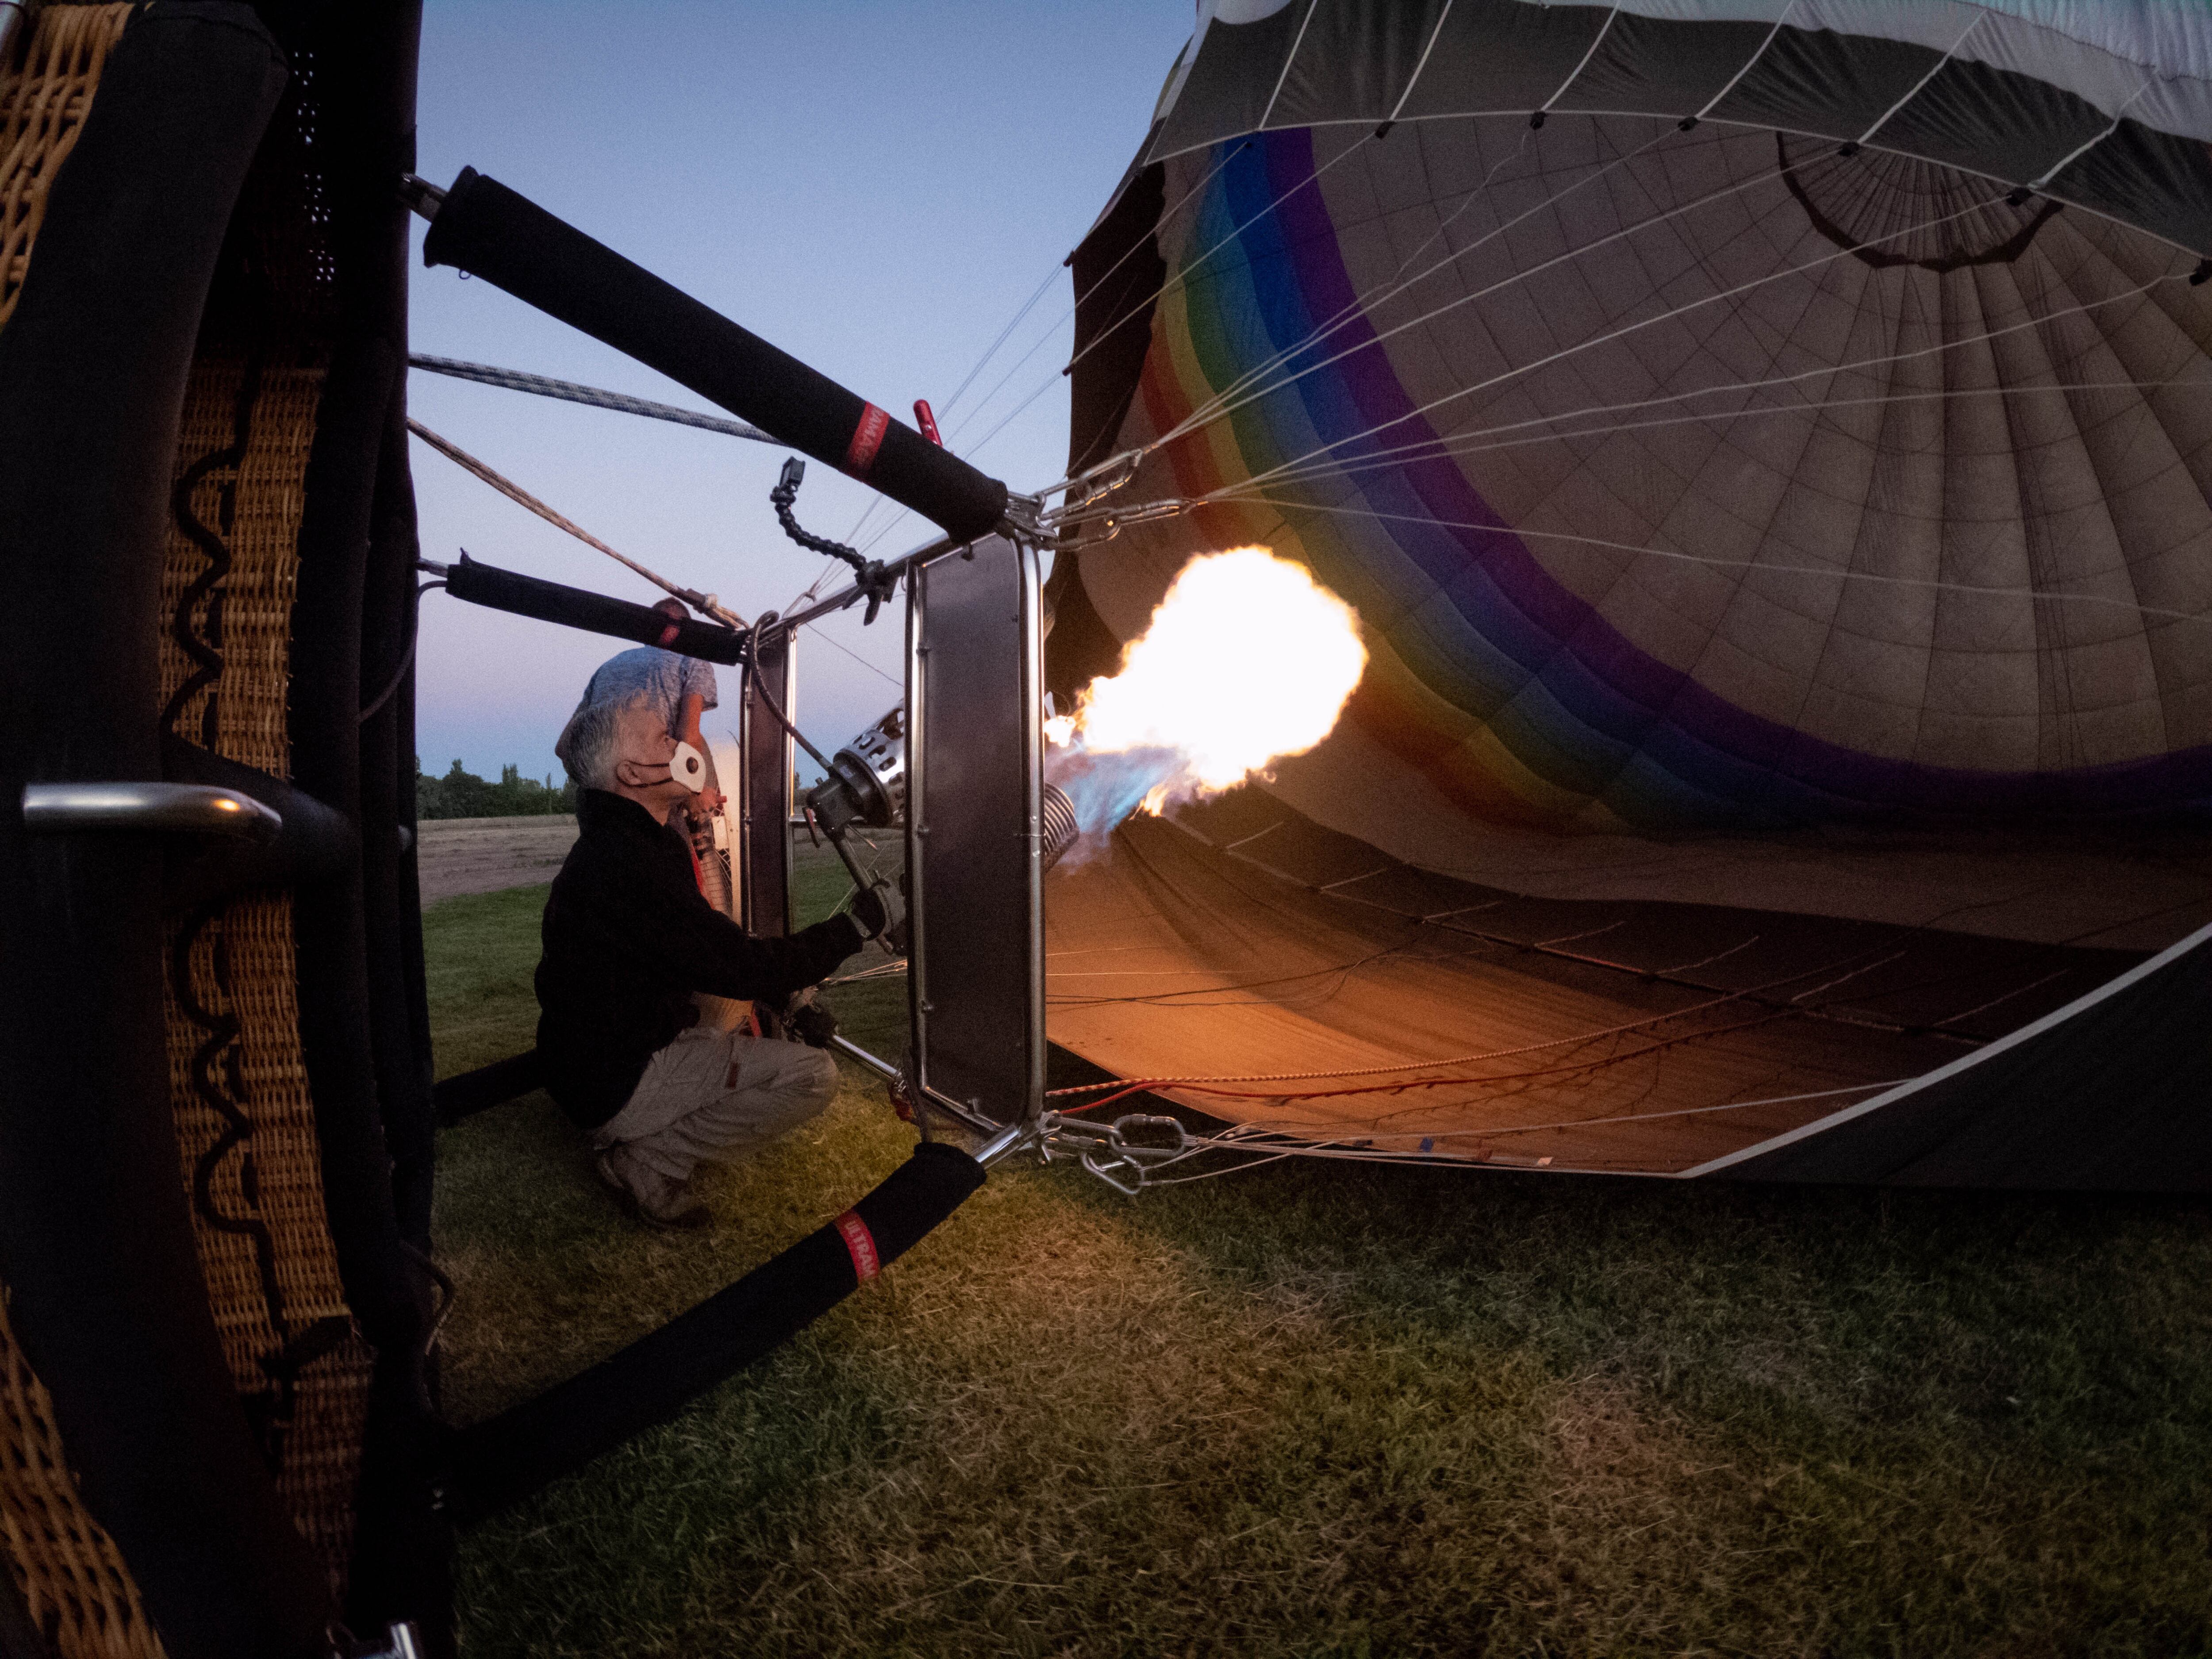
1774, 488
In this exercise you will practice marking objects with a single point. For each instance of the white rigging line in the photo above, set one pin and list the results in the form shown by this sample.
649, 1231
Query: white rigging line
1913, 92
1391, 287
1417, 450
1180, 277
1183, 275
1452, 446
900, 517
1713, 102
1304, 23
1565, 352
1435, 35
1074, 305
1829, 572
1374, 297
1573, 74
1764, 176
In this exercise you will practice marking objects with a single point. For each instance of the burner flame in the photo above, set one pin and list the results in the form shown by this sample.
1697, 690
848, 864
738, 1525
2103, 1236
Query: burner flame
1246, 661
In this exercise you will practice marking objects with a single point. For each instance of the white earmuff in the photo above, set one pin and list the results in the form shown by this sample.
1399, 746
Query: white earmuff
689, 767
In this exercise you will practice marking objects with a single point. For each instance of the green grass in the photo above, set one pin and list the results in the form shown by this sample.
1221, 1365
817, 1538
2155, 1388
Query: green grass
1334, 1410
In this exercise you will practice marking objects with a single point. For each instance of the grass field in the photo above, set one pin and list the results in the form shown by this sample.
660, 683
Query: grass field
1334, 1410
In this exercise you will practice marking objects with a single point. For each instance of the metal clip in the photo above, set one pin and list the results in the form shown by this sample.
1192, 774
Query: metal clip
1106, 1151
1096, 482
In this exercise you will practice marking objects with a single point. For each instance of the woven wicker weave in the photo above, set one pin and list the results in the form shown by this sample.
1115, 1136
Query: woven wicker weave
43, 97
71, 1576
245, 1124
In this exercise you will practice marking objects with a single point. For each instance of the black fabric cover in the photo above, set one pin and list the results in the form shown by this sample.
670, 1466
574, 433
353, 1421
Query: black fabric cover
95, 1243
507, 1457
489, 231
594, 613
330, 174
1118, 274
2109, 1098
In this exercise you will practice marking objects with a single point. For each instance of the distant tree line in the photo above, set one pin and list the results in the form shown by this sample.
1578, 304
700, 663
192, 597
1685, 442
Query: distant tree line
462, 794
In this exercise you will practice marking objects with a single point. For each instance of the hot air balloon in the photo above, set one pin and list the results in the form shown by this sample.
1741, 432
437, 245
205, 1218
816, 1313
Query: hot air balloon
1767, 445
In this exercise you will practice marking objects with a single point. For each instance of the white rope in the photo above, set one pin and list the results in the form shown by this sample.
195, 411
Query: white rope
1452, 447
1713, 102
1305, 23
1749, 565
1074, 305
1913, 91
1286, 475
1764, 176
1383, 292
1435, 35
1392, 286
1596, 341
2076, 153
1575, 73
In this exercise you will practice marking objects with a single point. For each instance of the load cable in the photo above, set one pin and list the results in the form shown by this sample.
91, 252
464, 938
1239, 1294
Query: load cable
515, 379
707, 603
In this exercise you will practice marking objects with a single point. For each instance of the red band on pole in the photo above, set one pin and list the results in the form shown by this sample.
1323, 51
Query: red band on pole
867, 439
860, 1244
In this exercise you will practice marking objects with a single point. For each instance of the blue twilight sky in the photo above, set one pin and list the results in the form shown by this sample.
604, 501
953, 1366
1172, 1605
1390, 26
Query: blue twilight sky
875, 187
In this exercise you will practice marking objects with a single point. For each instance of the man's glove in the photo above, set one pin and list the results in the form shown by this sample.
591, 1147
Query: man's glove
880, 914
809, 1021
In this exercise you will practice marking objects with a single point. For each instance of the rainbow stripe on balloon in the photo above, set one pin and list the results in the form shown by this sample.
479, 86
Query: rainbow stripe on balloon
1513, 695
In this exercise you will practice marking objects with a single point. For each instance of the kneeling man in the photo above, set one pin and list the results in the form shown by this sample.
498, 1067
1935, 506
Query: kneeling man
627, 939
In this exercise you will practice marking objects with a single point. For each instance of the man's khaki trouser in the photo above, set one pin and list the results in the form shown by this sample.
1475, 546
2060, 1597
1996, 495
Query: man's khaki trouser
714, 1094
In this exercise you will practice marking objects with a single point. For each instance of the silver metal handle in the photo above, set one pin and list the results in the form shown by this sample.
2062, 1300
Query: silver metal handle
190, 808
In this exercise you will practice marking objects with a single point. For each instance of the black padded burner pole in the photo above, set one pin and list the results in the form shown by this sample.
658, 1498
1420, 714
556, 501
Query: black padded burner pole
595, 613
484, 228
506, 1458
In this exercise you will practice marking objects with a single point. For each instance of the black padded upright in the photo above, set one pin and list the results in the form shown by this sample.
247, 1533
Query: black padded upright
96, 1243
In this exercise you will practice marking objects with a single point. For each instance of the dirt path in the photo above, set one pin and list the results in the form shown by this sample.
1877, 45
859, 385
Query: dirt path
482, 856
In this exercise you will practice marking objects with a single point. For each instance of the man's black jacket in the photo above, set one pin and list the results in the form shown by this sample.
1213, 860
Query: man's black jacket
628, 939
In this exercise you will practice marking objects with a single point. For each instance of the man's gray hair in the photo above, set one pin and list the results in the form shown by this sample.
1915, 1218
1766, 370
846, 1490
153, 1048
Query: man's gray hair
595, 742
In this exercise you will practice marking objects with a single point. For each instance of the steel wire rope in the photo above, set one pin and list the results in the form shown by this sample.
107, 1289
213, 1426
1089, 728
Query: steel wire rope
1356, 305
705, 602
542, 385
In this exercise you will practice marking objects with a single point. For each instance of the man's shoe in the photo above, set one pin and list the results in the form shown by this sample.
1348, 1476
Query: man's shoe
652, 1199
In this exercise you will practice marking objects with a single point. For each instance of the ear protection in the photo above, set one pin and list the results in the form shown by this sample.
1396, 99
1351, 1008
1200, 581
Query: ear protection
688, 767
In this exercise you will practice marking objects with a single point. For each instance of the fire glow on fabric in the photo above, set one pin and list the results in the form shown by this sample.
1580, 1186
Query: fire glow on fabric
1247, 661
